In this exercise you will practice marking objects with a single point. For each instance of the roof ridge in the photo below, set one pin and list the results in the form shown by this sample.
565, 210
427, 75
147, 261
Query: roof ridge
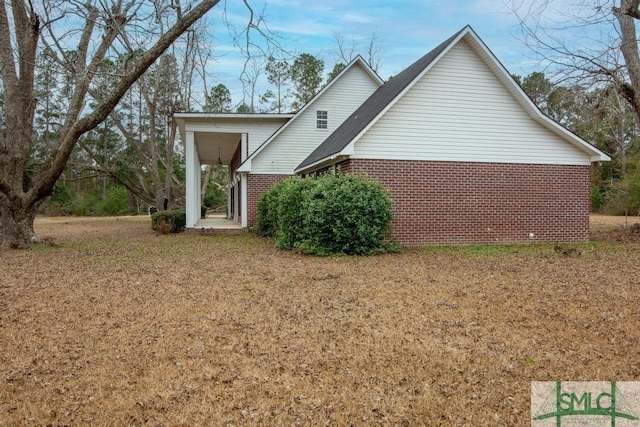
358, 59
375, 104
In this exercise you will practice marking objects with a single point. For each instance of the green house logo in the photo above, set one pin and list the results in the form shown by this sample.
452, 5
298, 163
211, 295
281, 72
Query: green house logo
585, 403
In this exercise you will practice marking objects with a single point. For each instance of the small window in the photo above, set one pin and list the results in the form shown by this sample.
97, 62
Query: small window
322, 121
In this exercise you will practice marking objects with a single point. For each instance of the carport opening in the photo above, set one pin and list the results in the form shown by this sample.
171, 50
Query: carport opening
215, 190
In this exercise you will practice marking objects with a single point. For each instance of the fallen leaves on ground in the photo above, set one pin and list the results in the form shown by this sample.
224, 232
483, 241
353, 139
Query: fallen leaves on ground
112, 324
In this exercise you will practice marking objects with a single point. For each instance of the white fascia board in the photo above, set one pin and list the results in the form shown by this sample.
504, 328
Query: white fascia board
357, 60
350, 149
245, 167
252, 116
529, 106
350, 146
372, 73
181, 127
327, 160
524, 100
594, 153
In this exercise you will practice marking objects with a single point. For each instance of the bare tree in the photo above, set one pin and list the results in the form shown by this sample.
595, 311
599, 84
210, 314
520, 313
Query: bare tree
150, 135
628, 86
589, 42
347, 50
373, 52
196, 55
253, 70
107, 29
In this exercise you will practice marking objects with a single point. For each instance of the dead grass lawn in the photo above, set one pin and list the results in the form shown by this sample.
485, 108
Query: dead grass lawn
117, 326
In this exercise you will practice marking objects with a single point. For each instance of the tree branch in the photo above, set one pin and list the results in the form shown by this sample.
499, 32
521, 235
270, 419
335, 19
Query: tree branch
48, 176
9, 73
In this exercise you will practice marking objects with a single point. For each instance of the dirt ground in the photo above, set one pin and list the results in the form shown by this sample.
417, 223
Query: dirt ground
111, 324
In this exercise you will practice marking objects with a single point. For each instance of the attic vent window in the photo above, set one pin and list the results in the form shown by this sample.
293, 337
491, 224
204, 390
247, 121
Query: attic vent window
322, 121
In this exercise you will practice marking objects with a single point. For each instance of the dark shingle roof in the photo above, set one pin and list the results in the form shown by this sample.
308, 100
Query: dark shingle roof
373, 106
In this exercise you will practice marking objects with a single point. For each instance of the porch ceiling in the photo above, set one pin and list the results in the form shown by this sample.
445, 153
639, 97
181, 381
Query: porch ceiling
208, 144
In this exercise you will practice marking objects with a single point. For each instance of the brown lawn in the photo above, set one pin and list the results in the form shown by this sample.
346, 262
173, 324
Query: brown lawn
114, 325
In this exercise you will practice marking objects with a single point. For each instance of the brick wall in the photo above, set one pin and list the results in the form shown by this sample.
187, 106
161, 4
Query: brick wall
482, 203
257, 185
235, 160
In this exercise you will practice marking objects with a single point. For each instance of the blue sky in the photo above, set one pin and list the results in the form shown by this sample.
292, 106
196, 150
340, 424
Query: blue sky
406, 29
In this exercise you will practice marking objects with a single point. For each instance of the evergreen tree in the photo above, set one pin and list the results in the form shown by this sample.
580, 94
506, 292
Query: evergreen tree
306, 74
218, 100
279, 75
337, 69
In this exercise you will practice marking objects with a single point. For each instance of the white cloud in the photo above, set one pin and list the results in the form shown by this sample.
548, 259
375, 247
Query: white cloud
304, 27
358, 18
407, 29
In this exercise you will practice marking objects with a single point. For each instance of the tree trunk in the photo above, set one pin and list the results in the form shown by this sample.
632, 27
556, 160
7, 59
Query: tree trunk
626, 14
17, 224
20, 191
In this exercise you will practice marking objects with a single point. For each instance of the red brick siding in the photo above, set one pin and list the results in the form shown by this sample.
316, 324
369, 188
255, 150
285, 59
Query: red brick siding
344, 168
235, 160
257, 185
482, 203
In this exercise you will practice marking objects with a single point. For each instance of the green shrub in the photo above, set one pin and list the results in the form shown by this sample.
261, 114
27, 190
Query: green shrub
215, 197
85, 204
596, 198
116, 202
267, 210
349, 215
327, 215
176, 218
62, 194
291, 211
623, 197
66, 200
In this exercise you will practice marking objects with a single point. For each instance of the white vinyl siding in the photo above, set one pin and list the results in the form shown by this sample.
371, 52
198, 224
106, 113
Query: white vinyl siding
284, 153
460, 111
258, 130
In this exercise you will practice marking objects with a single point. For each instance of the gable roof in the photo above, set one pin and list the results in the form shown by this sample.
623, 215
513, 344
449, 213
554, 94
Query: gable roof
343, 138
246, 165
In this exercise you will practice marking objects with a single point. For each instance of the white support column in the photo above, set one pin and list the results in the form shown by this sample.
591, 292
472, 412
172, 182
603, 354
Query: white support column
229, 200
236, 198
243, 187
243, 147
244, 141
198, 187
192, 193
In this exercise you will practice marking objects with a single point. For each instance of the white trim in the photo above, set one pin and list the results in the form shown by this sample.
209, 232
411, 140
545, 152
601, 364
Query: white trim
243, 187
246, 166
192, 192
530, 106
492, 160
334, 158
199, 115
236, 201
349, 148
244, 140
229, 200
503, 75
201, 122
